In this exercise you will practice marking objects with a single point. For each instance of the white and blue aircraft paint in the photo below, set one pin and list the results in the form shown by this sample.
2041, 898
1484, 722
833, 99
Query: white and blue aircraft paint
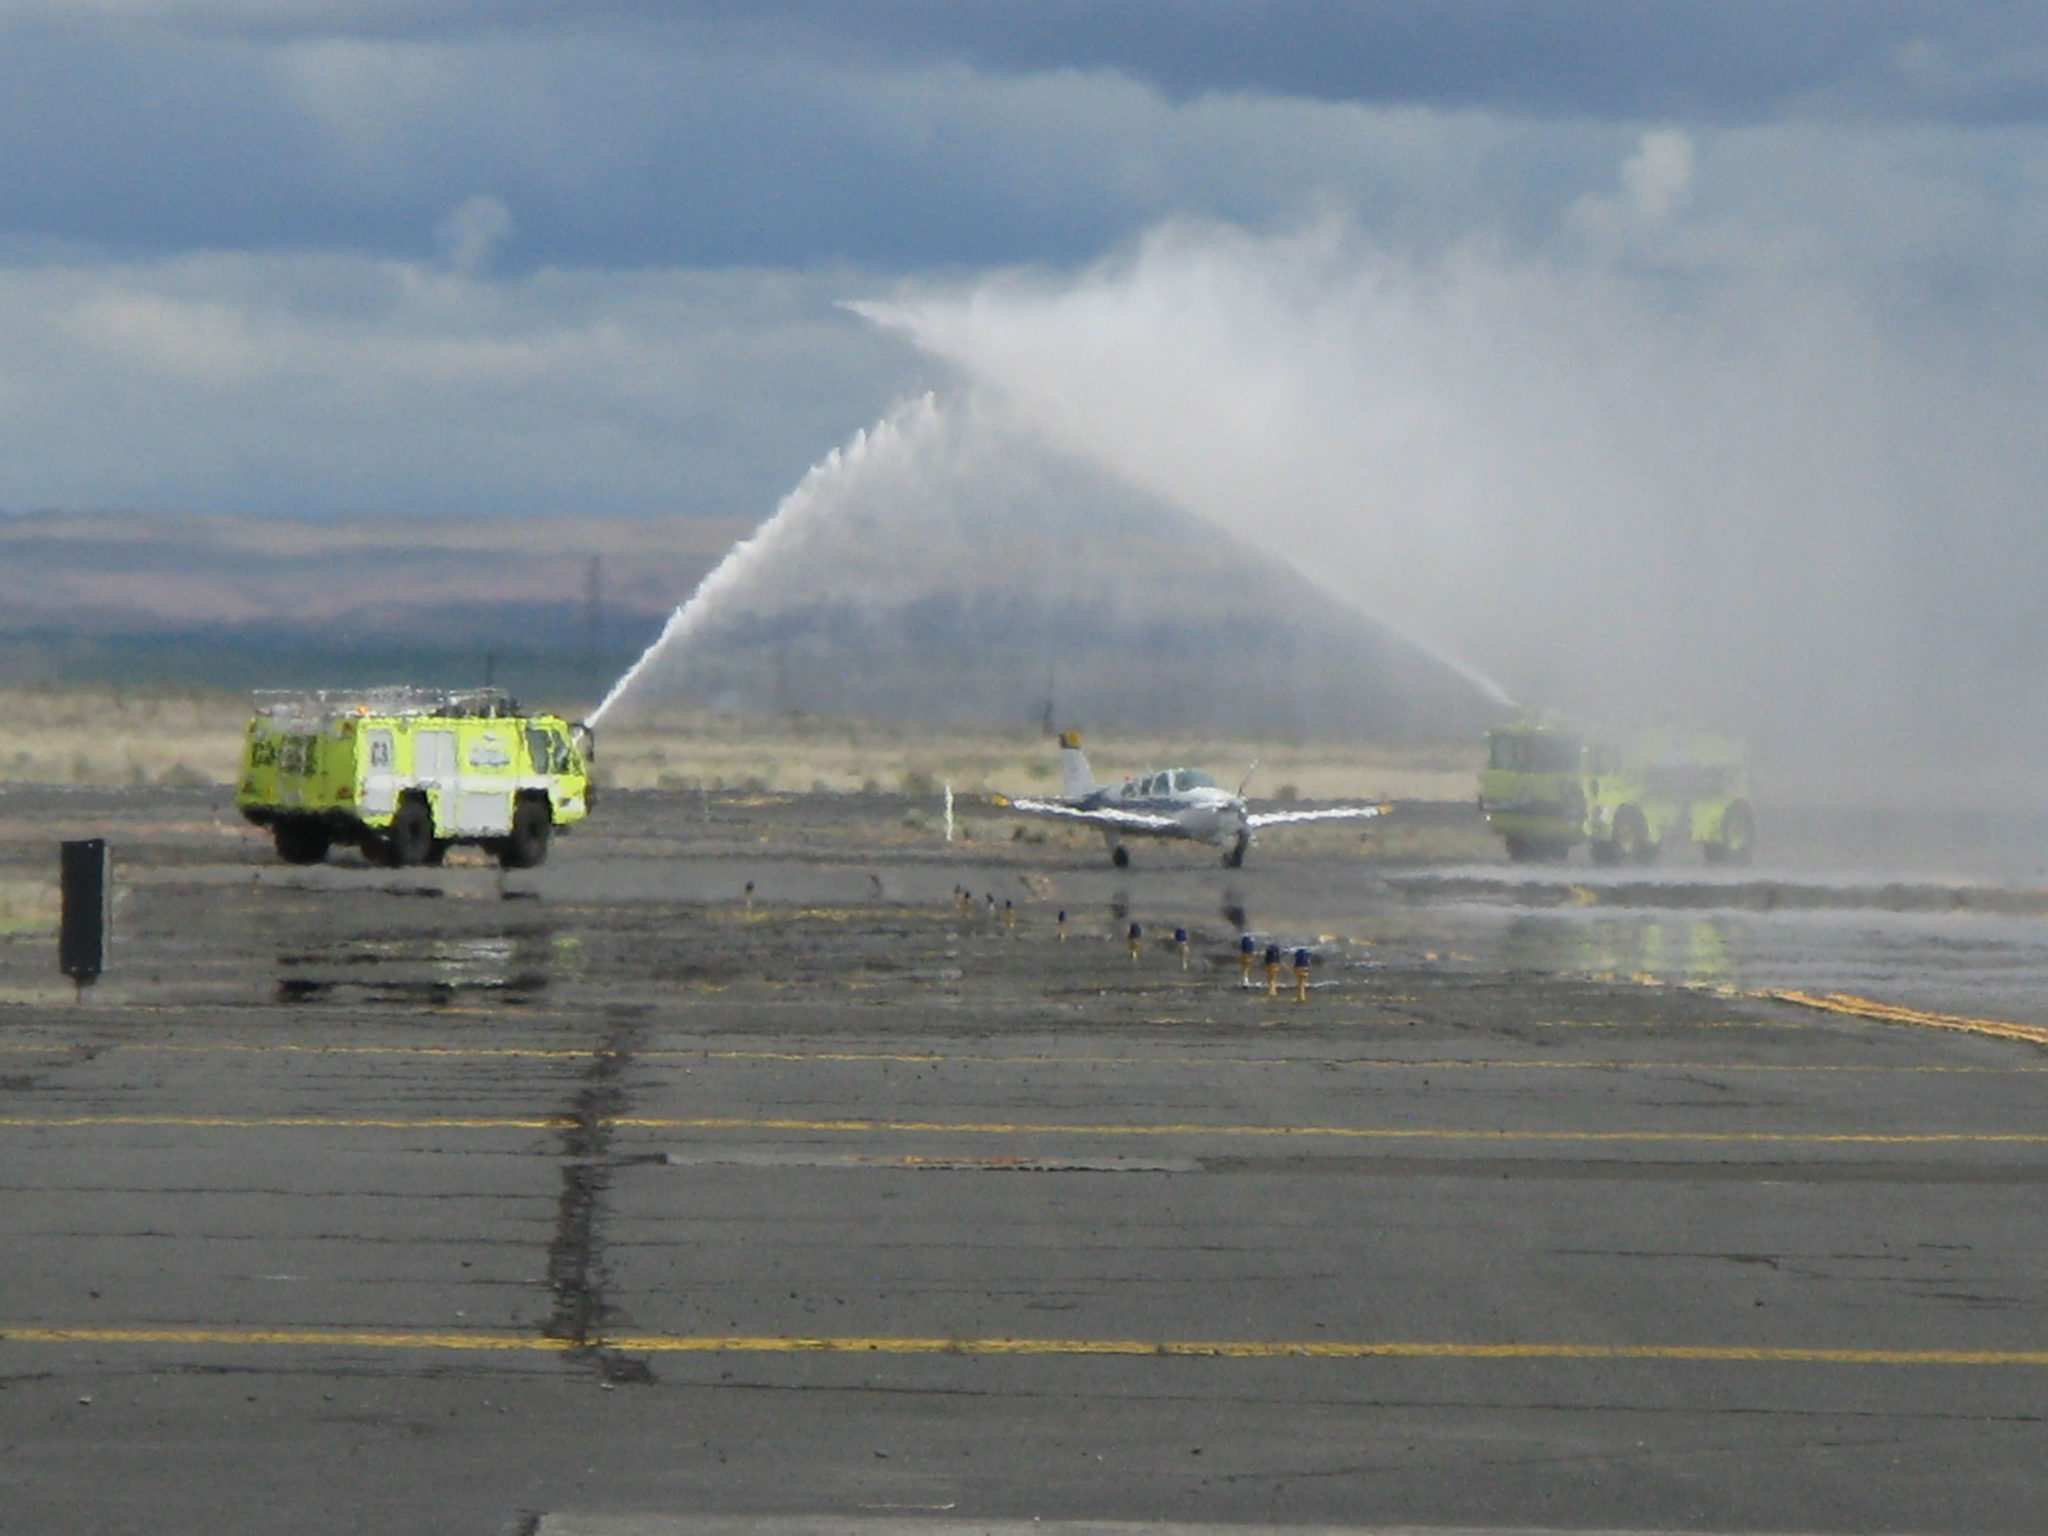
1173, 802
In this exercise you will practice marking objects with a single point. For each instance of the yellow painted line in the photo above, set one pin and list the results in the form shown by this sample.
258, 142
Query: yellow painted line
1339, 1132
1044, 1059
1665, 1026
1319, 1063
303, 1122
1892, 1013
305, 1338
1326, 1063
1028, 1128
1018, 1128
238, 1047
1225, 1349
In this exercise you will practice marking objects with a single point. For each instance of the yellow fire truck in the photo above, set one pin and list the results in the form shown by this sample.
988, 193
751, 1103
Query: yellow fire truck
405, 773
1549, 785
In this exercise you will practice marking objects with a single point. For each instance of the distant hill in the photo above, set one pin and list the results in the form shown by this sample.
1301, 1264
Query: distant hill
947, 581
244, 602
1098, 610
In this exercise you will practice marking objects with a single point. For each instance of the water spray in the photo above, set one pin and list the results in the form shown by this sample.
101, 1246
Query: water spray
810, 502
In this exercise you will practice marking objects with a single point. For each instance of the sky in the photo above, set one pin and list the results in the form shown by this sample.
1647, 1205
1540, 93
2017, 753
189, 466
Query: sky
1583, 340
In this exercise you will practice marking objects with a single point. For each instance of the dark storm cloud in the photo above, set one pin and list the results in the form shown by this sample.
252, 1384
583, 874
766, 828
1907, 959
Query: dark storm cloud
1740, 60
620, 146
1735, 61
907, 133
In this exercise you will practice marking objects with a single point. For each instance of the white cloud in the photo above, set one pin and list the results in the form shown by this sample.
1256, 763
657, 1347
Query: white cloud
1657, 176
329, 384
469, 235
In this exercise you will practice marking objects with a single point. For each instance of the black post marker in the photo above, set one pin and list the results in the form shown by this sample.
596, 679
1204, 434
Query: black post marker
88, 914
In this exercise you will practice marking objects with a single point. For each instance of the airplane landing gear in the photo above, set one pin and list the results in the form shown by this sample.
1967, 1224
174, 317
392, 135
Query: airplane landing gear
1120, 856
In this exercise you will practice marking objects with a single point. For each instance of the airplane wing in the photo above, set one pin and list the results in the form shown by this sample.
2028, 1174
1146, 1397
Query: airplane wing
1102, 816
1329, 813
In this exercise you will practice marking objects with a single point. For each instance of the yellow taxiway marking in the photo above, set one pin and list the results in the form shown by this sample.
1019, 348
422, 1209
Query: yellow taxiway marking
1892, 1013
1226, 1349
1039, 1059
252, 1048
1025, 1128
305, 1122
1338, 1132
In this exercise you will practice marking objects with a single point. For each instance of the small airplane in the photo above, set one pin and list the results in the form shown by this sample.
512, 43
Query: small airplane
1176, 802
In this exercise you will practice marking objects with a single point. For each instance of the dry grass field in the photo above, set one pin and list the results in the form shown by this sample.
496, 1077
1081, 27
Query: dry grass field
111, 736
126, 737
120, 736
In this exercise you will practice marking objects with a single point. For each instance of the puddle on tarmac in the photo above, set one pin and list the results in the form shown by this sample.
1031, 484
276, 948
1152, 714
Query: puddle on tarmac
511, 966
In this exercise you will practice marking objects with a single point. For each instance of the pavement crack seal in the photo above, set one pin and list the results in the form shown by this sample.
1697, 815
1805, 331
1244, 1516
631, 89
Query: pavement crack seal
576, 1276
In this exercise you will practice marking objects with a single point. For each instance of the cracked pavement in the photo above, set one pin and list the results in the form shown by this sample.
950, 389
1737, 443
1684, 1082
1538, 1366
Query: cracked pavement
462, 1202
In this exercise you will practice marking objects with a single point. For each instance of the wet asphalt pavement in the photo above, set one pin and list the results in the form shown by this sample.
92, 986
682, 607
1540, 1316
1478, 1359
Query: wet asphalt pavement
453, 1201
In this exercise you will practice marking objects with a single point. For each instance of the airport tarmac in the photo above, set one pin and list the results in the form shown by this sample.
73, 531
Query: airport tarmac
769, 1157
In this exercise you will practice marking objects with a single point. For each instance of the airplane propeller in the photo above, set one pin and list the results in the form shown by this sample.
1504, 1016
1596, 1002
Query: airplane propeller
1250, 768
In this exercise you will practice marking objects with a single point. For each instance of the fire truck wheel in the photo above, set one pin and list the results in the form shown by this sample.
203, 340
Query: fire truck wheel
527, 847
301, 839
411, 837
1738, 835
1632, 836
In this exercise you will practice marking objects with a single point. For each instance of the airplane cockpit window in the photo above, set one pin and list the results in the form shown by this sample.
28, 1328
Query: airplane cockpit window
1194, 778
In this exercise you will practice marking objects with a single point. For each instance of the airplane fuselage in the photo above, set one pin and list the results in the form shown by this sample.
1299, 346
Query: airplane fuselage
1175, 802
1200, 813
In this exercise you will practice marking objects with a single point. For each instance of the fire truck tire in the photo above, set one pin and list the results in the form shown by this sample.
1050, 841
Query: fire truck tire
301, 839
527, 847
1632, 836
1738, 835
410, 839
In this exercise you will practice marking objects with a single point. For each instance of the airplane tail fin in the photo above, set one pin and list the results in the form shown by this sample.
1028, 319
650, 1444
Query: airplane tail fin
1076, 780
